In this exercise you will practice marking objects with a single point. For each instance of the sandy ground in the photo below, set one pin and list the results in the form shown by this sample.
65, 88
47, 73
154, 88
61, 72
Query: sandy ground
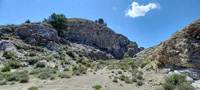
83, 82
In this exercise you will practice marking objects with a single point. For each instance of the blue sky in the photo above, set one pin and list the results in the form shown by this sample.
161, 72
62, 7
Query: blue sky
146, 27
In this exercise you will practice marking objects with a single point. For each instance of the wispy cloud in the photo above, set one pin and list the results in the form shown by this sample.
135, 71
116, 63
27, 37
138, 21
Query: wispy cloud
137, 10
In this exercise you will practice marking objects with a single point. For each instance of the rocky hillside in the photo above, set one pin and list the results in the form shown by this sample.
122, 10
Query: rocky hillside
180, 52
101, 37
83, 37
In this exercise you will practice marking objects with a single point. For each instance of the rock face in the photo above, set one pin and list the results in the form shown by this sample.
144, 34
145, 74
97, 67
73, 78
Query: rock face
7, 46
99, 36
98, 41
37, 34
182, 49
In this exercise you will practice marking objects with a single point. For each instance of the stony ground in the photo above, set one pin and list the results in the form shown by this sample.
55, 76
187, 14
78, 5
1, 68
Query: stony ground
83, 82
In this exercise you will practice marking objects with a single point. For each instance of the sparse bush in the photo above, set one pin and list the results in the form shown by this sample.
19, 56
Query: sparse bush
33, 88
66, 69
14, 64
140, 83
33, 60
9, 55
177, 80
119, 72
32, 54
80, 70
70, 53
134, 79
64, 75
115, 80
52, 78
40, 65
24, 79
185, 86
97, 87
127, 80
168, 86
122, 78
139, 77
3, 83
44, 75
21, 76
143, 65
6, 68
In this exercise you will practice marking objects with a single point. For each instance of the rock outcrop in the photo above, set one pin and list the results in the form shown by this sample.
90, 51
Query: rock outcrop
102, 42
101, 37
37, 34
182, 49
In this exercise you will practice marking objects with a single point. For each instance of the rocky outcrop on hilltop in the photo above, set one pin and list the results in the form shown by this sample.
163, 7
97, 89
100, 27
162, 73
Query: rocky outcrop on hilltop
101, 37
41, 34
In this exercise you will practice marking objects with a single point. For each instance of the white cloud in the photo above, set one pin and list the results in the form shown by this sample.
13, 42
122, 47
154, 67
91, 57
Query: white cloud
137, 10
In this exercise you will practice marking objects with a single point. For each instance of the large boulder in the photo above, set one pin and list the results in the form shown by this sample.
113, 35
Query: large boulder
93, 34
7, 46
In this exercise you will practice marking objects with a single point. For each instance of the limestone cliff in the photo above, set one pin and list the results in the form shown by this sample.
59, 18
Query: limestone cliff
102, 37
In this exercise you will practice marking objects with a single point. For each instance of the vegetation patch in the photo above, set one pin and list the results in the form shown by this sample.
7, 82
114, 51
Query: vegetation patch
33, 88
177, 80
97, 87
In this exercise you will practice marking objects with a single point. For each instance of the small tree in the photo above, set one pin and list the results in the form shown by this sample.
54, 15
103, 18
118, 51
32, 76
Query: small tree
59, 22
101, 21
28, 21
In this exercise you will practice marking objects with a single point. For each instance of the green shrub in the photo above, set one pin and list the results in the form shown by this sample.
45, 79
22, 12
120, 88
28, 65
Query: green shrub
32, 54
44, 75
177, 80
119, 72
33, 88
9, 55
14, 64
36, 71
66, 69
97, 87
6, 68
2, 76
24, 79
40, 65
115, 80
21, 76
52, 78
122, 78
64, 75
140, 83
139, 77
33, 60
127, 80
185, 86
143, 65
168, 86
3, 83
70, 53
80, 70
134, 79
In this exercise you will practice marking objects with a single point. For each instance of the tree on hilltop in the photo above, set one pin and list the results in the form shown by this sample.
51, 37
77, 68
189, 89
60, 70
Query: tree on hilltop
59, 22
